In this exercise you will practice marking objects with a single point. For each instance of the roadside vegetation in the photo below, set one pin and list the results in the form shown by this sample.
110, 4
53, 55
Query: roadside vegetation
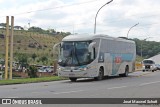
30, 80
147, 49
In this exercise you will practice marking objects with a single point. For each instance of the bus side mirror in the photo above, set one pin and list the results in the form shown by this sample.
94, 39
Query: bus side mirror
91, 50
91, 46
54, 48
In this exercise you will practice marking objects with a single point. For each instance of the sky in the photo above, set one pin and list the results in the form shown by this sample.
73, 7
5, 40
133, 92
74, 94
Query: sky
78, 16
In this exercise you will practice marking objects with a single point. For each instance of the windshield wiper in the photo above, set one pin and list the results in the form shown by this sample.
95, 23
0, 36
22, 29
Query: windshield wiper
76, 56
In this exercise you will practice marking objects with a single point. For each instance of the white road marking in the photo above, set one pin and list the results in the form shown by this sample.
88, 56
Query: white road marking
11, 97
149, 83
68, 92
36, 92
116, 87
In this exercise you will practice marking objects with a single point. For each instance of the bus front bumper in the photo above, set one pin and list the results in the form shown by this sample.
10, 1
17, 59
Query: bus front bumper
77, 74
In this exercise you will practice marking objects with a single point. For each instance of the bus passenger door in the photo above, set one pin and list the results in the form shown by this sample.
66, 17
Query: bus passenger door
108, 64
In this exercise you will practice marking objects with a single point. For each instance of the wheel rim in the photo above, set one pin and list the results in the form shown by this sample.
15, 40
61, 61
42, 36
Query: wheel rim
127, 71
100, 74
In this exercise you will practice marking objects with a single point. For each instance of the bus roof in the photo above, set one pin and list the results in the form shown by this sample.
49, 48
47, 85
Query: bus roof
86, 37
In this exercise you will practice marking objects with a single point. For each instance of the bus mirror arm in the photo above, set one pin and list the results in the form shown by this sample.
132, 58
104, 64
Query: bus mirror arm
90, 47
90, 50
54, 48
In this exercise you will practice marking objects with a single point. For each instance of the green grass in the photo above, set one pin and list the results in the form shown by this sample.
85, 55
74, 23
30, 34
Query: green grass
30, 80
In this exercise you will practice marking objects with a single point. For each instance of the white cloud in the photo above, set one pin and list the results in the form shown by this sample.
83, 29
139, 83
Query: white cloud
114, 19
1, 1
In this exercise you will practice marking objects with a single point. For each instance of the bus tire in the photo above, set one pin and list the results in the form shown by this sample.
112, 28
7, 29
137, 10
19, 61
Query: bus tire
73, 79
100, 75
126, 72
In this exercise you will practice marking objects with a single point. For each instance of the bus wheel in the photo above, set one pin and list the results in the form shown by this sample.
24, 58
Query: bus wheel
73, 79
101, 75
126, 72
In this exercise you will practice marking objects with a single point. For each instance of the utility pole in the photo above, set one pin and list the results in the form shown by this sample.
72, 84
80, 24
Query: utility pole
29, 23
6, 47
11, 47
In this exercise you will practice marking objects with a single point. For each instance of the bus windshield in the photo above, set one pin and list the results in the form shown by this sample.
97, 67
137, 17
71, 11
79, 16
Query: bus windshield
148, 62
74, 53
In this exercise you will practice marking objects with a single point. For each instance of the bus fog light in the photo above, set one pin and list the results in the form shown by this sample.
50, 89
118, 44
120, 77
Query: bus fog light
83, 69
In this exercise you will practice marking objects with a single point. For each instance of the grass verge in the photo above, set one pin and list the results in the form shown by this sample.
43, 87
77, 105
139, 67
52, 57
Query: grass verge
30, 80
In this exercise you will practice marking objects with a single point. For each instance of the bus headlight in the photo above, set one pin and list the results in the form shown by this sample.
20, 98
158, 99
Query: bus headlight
60, 69
83, 69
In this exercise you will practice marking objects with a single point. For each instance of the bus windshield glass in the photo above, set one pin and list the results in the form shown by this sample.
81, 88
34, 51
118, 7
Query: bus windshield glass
74, 53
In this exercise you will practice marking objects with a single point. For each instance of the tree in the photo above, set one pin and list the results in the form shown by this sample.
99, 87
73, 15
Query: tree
3, 25
23, 60
52, 31
34, 56
36, 29
44, 59
148, 48
32, 72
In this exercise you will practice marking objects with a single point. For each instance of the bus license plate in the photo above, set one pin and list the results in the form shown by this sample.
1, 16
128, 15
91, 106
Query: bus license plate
71, 75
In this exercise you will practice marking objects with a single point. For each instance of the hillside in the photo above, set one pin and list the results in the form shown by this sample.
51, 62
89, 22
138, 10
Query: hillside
147, 49
31, 43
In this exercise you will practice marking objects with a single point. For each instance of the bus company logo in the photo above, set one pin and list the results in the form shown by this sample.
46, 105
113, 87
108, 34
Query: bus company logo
118, 59
6, 101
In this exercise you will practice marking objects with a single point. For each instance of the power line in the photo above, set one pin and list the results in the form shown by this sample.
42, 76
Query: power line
39, 10
79, 4
111, 20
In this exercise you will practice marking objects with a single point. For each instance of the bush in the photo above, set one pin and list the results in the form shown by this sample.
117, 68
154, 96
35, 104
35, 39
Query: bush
32, 72
34, 56
19, 41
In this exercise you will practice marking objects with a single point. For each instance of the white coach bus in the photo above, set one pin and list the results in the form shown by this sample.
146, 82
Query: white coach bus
95, 56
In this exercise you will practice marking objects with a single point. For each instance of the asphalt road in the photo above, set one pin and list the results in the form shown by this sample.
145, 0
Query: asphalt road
136, 85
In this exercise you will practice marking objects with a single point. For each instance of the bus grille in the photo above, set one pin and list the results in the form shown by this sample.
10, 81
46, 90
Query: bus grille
147, 67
